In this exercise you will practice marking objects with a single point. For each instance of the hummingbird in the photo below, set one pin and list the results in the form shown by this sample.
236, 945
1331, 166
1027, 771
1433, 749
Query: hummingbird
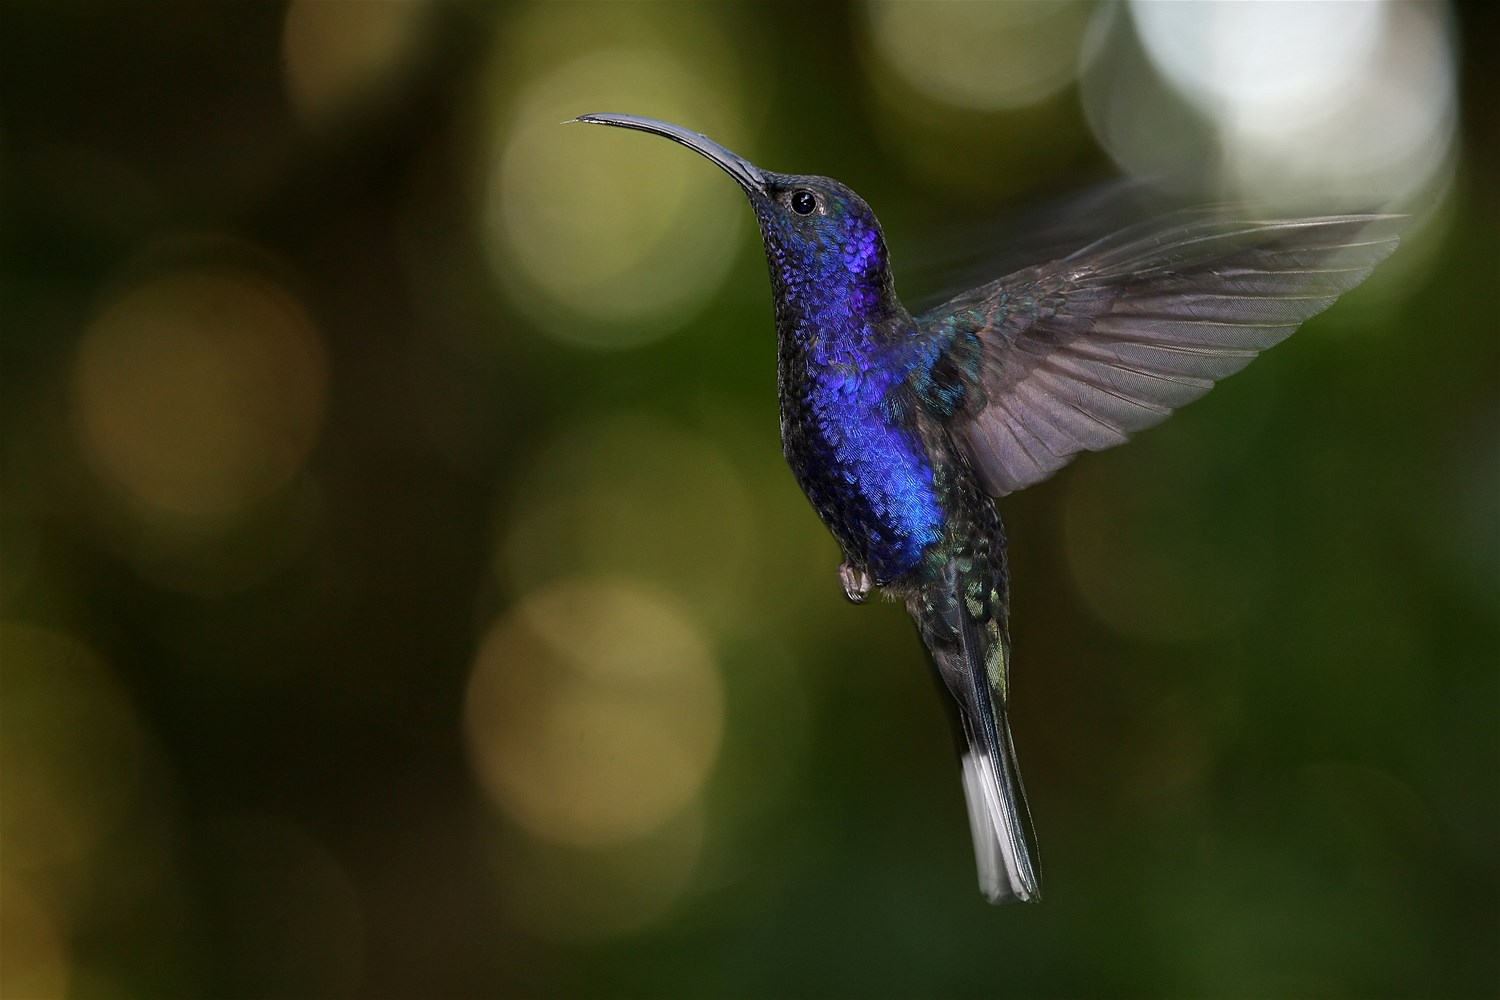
902, 430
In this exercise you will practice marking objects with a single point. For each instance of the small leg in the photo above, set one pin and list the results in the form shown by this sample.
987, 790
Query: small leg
857, 583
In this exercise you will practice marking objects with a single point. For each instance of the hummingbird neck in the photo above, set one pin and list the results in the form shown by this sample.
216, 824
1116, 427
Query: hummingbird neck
832, 292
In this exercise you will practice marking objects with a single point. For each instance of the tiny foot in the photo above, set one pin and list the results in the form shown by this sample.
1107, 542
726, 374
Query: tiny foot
856, 582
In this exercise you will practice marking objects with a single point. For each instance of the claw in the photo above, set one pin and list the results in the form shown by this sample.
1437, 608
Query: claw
857, 582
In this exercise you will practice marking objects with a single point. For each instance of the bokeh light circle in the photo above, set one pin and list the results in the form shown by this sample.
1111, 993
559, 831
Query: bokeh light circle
637, 496
336, 55
72, 753
1296, 104
611, 239
974, 97
200, 393
37, 963
1260, 55
594, 712
980, 56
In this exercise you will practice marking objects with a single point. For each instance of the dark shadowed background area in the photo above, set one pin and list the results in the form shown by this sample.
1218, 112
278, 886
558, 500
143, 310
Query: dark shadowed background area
404, 595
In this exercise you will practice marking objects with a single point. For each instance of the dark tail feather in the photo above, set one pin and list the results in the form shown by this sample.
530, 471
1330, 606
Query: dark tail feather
1004, 839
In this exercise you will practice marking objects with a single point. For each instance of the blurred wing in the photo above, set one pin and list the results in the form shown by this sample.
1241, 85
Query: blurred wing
1078, 354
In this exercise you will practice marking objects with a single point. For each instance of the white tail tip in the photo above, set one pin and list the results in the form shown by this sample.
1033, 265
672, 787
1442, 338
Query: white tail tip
1006, 871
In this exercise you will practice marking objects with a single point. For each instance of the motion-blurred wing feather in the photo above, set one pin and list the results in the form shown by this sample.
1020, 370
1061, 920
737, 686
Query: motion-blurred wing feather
1078, 354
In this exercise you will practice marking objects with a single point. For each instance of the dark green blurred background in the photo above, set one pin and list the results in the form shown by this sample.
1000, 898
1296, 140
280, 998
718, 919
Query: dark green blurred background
403, 594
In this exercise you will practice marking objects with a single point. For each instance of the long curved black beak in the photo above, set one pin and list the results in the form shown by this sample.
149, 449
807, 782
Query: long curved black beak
747, 174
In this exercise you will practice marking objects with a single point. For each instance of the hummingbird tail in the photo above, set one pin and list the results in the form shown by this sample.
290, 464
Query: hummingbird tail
1004, 848
968, 650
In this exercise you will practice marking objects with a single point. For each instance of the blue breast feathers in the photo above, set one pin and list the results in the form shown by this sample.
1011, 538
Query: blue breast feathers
875, 473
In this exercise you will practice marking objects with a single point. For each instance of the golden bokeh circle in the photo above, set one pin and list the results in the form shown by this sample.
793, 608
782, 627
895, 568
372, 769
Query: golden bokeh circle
200, 393
594, 712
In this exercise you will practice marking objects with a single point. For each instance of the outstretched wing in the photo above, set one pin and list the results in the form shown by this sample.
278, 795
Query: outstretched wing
1077, 354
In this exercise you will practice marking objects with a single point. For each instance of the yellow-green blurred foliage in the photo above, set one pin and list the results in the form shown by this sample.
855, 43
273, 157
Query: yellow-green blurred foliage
402, 593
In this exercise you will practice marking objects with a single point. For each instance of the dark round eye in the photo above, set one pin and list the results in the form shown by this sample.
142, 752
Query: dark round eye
804, 201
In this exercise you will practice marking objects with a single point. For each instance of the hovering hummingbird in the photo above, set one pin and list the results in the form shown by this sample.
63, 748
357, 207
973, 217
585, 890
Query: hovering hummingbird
900, 429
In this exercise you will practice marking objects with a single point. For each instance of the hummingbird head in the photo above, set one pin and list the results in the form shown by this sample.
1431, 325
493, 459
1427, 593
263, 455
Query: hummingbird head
823, 243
